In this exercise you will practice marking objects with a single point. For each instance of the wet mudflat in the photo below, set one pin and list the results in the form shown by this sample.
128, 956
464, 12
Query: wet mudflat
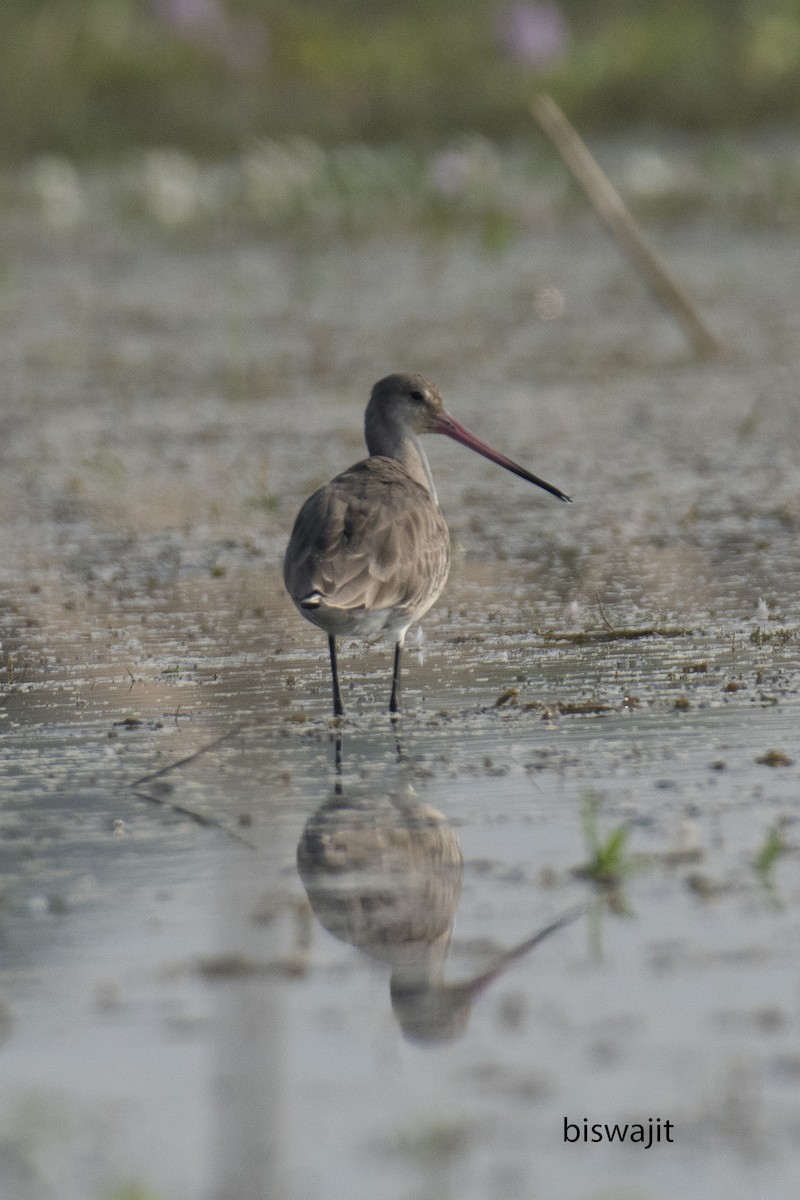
177, 1017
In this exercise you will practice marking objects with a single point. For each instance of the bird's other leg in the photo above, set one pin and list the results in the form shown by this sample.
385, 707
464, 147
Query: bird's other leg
398, 745
394, 702
338, 707
337, 762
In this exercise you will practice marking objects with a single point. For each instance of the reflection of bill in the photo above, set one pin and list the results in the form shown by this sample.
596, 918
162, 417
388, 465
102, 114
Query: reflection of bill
384, 874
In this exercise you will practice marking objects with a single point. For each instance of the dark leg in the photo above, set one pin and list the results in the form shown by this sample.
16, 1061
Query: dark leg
398, 745
338, 707
337, 787
394, 703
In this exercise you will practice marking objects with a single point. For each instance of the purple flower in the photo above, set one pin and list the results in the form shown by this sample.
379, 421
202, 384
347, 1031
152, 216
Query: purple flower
190, 14
240, 41
533, 33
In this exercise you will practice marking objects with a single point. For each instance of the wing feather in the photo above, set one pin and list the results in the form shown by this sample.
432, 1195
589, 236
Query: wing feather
371, 538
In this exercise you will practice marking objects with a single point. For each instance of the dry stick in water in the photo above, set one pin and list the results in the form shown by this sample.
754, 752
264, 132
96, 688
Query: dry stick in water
182, 762
180, 809
610, 207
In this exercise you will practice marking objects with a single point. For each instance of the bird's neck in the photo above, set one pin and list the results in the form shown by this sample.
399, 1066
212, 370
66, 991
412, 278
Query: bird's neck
404, 447
415, 461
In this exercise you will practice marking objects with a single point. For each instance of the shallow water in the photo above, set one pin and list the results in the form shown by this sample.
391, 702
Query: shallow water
175, 1017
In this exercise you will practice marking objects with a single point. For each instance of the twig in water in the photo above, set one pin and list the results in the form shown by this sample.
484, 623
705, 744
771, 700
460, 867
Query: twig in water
183, 762
603, 616
611, 209
199, 818
180, 809
586, 636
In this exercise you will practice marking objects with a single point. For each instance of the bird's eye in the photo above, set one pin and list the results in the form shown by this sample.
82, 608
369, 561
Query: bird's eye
418, 397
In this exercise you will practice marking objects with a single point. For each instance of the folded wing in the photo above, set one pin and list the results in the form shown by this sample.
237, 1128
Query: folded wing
371, 539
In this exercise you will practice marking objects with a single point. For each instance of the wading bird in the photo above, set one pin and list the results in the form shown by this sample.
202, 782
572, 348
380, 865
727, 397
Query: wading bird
370, 551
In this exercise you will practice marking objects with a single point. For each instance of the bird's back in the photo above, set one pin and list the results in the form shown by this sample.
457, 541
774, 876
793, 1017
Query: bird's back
372, 543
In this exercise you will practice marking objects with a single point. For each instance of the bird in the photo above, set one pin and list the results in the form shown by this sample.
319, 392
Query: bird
369, 553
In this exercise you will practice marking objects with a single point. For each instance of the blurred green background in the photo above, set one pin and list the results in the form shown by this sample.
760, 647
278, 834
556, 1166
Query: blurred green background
95, 78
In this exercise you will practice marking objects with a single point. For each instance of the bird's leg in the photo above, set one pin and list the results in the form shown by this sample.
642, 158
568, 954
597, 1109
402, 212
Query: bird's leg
337, 787
338, 707
398, 745
394, 703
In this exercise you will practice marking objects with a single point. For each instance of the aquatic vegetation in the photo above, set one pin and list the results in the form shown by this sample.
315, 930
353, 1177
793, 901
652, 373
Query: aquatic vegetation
433, 1141
608, 862
775, 758
207, 75
771, 849
131, 1191
467, 183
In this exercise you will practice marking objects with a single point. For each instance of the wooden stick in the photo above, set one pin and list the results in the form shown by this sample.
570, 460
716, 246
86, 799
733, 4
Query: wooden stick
181, 810
611, 209
182, 762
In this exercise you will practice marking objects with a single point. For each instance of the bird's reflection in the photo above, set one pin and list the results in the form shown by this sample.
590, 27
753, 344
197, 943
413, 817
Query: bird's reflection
384, 872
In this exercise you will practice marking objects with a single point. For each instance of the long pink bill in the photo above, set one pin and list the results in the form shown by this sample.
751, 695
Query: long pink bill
458, 433
480, 982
